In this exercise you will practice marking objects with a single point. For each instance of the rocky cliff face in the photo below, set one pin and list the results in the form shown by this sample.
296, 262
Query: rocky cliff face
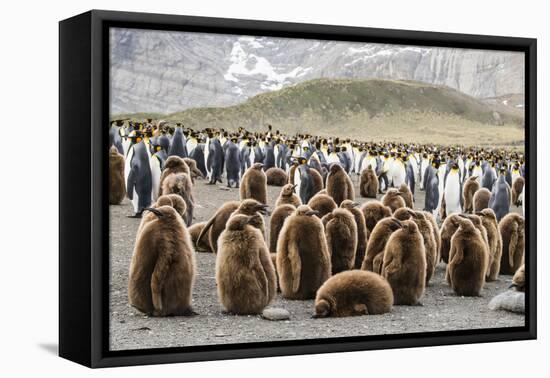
156, 71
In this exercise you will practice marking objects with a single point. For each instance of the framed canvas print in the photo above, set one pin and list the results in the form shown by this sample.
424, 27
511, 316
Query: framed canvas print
234, 188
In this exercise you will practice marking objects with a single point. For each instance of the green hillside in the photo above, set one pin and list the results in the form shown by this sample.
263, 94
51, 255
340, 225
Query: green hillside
373, 109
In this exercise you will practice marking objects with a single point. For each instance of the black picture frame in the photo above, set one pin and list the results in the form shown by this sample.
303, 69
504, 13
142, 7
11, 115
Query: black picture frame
83, 196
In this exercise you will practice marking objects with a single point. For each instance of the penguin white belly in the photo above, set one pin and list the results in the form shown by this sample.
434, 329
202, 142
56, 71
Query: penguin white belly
478, 173
126, 146
441, 191
452, 194
333, 158
360, 163
390, 165
414, 165
191, 145
515, 175
297, 179
522, 199
372, 163
276, 155
398, 174
155, 176
206, 153
251, 158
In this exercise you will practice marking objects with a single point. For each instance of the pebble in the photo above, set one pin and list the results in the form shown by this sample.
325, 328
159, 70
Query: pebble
275, 313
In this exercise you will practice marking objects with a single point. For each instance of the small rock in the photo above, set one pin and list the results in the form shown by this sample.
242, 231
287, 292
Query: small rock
220, 334
275, 313
224, 188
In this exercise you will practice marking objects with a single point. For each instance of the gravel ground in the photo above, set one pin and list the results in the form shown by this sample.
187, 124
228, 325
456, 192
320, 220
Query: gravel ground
130, 329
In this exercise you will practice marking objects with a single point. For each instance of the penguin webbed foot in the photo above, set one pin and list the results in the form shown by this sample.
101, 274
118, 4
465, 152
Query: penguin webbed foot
189, 312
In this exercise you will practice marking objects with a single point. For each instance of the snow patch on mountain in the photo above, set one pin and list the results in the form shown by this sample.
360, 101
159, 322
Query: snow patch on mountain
244, 63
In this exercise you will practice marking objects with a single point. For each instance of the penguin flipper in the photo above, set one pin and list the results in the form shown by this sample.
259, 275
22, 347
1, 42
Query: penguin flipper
164, 261
205, 229
261, 276
296, 265
131, 181
512, 246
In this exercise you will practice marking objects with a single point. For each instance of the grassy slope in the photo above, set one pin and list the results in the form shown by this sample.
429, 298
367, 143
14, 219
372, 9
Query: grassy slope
366, 109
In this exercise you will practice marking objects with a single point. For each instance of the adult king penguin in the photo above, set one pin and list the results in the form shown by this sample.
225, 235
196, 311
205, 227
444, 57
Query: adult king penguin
139, 183
453, 191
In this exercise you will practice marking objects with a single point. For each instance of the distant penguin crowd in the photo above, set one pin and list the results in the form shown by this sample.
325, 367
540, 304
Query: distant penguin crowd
321, 244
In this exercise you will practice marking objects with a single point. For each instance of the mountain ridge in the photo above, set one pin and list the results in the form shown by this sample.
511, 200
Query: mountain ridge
164, 72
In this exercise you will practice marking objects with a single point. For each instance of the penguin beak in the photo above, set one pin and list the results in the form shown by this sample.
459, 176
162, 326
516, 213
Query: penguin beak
513, 286
262, 209
478, 213
294, 187
312, 212
154, 211
355, 204
412, 213
397, 224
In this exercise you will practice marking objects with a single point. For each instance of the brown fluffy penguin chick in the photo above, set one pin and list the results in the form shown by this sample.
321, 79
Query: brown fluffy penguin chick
512, 232
476, 220
162, 270
317, 180
339, 184
276, 176
489, 220
194, 171
426, 230
276, 222
470, 187
374, 211
448, 228
244, 272
406, 194
254, 184
322, 203
172, 200
374, 255
288, 196
437, 237
368, 184
180, 183
195, 231
481, 199
518, 281
393, 200
352, 293
404, 264
341, 232
362, 238
303, 260
468, 259
215, 225
117, 186
174, 164
517, 187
